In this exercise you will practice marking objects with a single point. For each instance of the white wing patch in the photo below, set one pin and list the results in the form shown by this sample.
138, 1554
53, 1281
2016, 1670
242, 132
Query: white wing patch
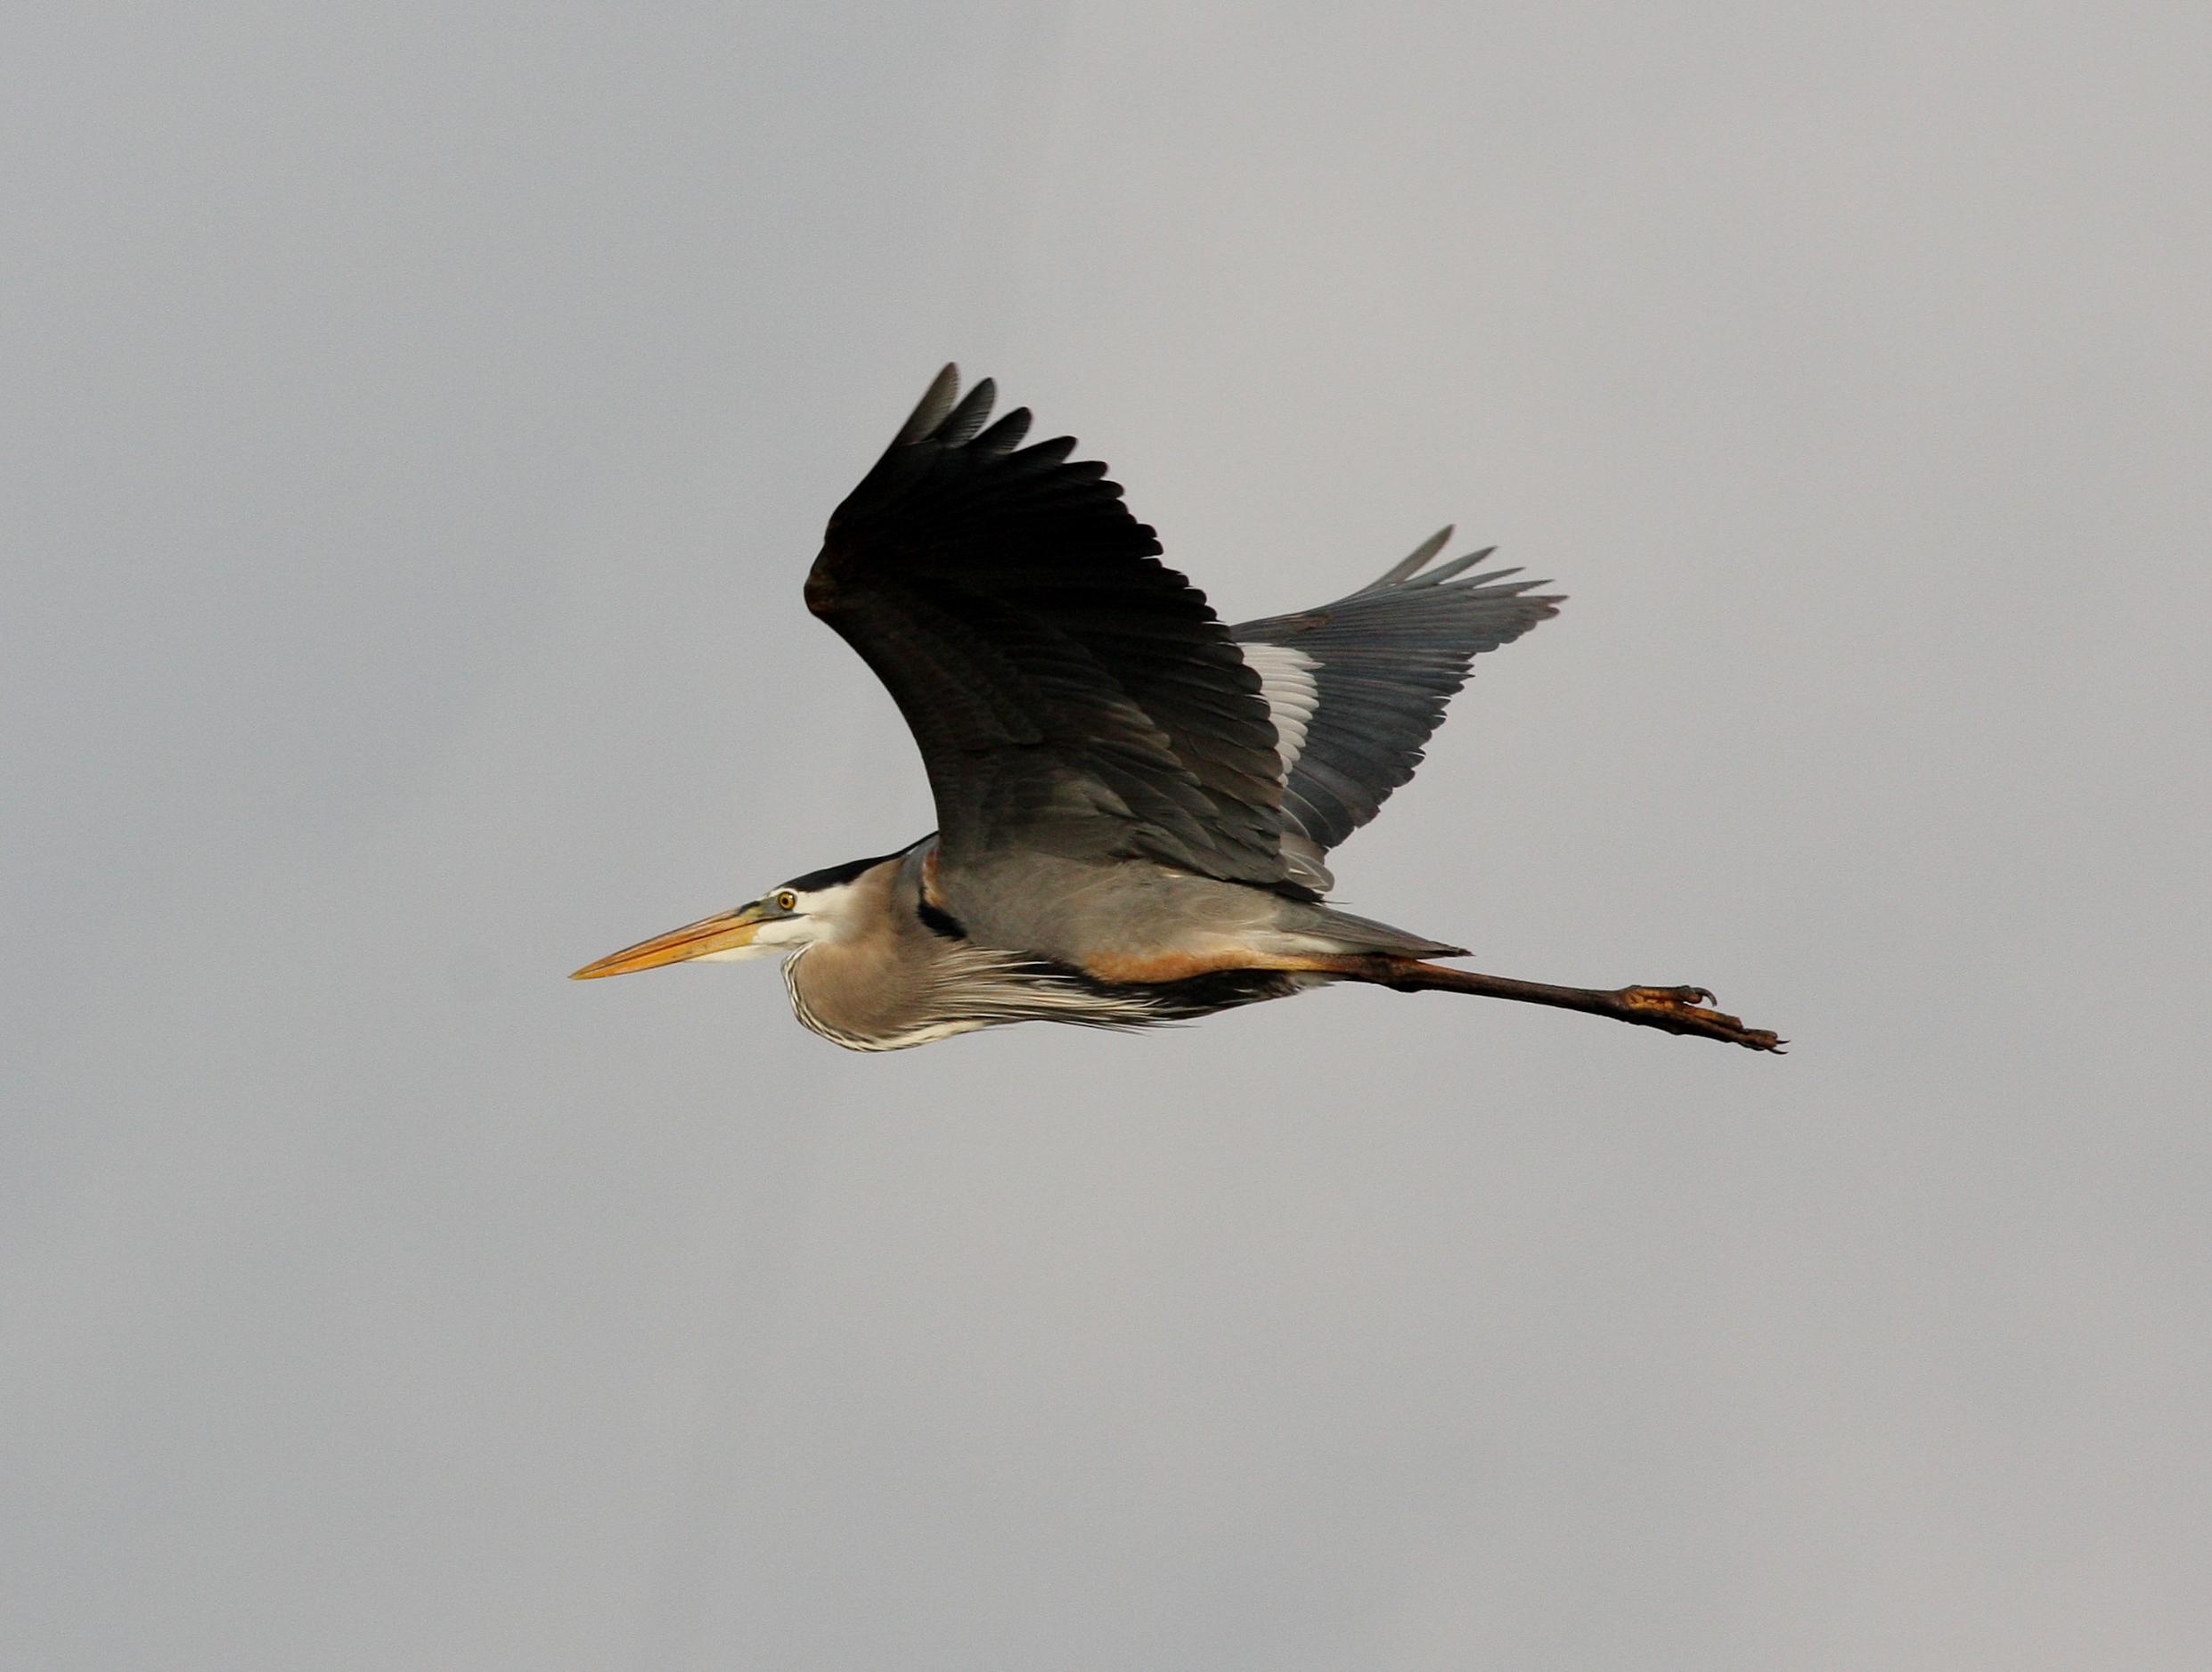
1286, 686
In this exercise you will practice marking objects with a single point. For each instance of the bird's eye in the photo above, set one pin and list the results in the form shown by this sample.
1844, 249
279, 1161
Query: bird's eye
786, 900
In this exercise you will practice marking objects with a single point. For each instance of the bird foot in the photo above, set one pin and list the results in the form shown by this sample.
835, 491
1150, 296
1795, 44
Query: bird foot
1681, 1010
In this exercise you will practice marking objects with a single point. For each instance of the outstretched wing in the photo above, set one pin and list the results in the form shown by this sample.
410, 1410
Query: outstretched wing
1069, 692
1358, 686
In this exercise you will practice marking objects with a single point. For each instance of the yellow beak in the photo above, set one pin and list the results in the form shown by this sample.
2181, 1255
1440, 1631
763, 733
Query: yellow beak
695, 940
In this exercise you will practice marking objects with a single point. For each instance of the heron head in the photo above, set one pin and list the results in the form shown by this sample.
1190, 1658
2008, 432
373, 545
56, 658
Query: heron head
782, 921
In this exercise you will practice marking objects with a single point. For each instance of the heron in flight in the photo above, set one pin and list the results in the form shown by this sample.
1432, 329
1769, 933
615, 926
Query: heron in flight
1135, 803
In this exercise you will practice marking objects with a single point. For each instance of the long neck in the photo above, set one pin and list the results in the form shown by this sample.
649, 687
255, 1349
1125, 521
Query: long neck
876, 986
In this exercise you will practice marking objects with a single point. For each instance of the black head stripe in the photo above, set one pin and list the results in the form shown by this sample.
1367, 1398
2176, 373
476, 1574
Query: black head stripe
834, 876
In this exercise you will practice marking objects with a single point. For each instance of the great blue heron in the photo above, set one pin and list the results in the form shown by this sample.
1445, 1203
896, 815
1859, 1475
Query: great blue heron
1133, 801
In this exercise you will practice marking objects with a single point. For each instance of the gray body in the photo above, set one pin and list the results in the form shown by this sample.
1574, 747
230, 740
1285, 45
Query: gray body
1019, 942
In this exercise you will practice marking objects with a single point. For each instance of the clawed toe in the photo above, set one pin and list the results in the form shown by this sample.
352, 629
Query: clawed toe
1666, 997
1679, 1010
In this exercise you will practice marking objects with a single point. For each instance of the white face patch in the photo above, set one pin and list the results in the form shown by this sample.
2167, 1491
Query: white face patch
776, 937
1287, 686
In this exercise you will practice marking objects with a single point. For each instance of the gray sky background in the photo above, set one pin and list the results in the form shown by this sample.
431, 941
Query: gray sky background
418, 422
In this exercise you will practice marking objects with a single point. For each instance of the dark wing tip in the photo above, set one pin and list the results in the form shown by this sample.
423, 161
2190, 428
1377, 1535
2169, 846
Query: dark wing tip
962, 423
1415, 570
1411, 564
952, 420
942, 395
1006, 433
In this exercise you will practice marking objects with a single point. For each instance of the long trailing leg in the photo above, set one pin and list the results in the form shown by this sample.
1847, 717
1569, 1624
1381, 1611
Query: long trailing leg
1675, 1009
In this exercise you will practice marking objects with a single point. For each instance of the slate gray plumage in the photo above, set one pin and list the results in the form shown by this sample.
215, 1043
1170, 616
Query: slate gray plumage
1386, 660
1134, 801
